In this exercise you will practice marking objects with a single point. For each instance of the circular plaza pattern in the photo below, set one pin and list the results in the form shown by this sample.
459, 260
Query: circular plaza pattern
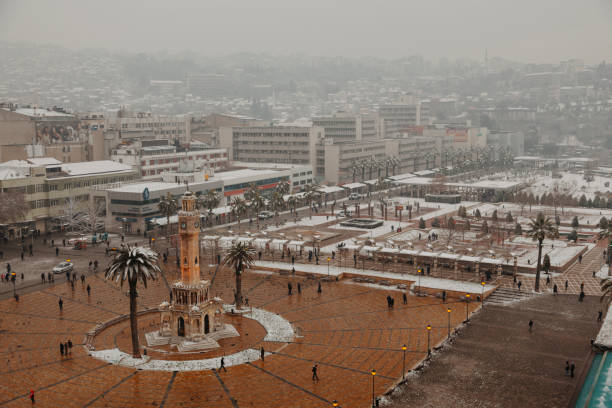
347, 330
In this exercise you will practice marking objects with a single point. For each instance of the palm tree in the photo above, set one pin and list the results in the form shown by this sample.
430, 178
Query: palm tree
168, 206
240, 256
541, 228
238, 207
311, 192
283, 187
210, 201
133, 264
277, 202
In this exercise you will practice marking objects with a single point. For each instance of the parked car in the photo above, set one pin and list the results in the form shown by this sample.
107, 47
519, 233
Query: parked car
63, 267
354, 196
80, 245
344, 213
264, 215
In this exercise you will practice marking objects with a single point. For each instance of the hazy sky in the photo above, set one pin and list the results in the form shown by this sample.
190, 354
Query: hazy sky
525, 30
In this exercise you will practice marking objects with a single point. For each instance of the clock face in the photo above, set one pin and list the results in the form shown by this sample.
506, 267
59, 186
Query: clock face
196, 224
183, 225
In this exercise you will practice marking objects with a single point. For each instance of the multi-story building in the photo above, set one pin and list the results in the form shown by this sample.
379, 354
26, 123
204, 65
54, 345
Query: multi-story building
395, 118
145, 125
271, 144
27, 132
335, 161
135, 206
206, 128
56, 191
151, 162
347, 127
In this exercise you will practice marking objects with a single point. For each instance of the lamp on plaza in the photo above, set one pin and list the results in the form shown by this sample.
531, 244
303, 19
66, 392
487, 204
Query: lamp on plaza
334, 403
328, 259
428, 339
419, 271
404, 363
467, 300
482, 295
373, 372
448, 310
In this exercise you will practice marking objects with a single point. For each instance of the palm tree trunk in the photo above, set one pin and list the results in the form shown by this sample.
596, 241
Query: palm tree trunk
168, 230
238, 288
537, 279
133, 321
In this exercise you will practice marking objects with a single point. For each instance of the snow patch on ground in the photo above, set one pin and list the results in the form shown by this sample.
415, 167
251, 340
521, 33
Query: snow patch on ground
604, 338
425, 281
279, 330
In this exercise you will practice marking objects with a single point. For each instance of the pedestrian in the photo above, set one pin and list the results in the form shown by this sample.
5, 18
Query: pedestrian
292, 271
514, 281
8, 267
444, 296
582, 286
555, 290
547, 280
567, 368
63, 242
82, 279
530, 325
65, 348
61, 304
315, 377
22, 254
299, 288
292, 259
519, 285
56, 251
42, 277
289, 287
580, 258
50, 277
70, 345
52, 242
572, 368
88, 290
593, 273
581, 297
405, 298
319, 288
599, 316
62, 349
32, 396
222, 367
566, 285
262, 352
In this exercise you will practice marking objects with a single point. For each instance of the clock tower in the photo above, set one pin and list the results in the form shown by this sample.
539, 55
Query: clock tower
189, 231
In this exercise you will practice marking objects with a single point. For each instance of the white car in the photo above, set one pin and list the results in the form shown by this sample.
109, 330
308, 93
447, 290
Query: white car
264, 215
63, 267
354, 196
344, 213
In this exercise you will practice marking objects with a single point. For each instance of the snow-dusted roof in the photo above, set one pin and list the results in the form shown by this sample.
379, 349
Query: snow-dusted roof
94, 167
352, 186
37, 113
43, 161
401, 176
330, 189
139, 187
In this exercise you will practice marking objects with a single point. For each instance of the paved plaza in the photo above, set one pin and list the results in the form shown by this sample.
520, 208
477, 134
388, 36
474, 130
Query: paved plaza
347, 330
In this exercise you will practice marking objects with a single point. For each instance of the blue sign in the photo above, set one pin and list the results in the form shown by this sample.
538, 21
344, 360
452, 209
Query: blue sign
145, 194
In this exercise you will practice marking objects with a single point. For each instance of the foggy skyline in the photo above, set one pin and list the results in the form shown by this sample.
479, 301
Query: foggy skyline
520, 30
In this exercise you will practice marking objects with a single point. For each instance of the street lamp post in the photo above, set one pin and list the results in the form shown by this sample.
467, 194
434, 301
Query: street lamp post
482, 295
467, 300
419, 271
404, 363
328, 259
449, 317
14, 279
428, 340
373, 372
334, 403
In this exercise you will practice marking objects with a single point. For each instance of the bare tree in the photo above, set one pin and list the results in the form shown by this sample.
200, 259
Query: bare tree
14, 207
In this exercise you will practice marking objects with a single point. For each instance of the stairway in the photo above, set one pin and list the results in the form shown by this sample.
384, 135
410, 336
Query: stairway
506, 296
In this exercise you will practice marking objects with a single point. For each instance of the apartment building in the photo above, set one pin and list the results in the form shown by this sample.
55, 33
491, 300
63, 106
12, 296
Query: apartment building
150, 162
335, 161
395, 118
271, 144
346, 127
145, 125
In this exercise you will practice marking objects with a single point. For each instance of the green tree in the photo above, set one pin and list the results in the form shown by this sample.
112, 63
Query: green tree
518, 230
509, 217
485, 227
557, 220
239, 207
546, 263
575, 223
435, 223
311, 193
241, 256
422, 224
573, 235
494, 216
168, 206
582, 202
477, 214
603, 223
133, 264
540, 228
